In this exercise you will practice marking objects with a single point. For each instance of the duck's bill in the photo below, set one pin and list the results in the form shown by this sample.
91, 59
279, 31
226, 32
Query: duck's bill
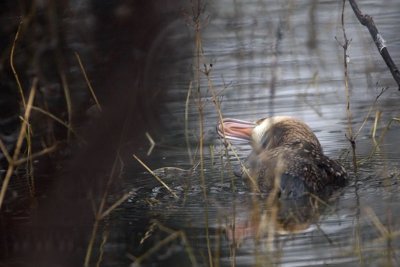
234, 129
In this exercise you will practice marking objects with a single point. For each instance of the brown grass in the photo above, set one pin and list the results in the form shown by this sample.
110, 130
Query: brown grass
18, 146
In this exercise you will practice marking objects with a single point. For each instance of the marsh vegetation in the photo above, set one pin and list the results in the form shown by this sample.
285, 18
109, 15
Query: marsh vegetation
143, 179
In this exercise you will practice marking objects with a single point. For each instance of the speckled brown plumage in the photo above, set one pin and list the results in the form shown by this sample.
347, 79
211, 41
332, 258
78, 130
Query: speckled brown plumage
286, 148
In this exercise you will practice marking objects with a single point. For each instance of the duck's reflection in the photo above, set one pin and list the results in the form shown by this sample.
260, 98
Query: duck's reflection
262, 217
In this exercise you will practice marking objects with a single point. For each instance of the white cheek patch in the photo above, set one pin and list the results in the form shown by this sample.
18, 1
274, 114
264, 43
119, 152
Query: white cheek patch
261, 129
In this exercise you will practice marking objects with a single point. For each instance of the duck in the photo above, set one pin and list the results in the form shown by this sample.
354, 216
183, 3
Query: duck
285, 154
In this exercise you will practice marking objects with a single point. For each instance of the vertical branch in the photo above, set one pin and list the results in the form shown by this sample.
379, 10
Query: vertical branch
88, 81
197, 11
187, 123
68, 100
349, 135
13, 67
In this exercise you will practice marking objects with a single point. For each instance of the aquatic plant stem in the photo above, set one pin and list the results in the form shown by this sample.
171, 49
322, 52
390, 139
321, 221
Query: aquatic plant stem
100, 214
197, 25
70, 129
88, 81
172, 235
68, 101
187, 123
345, 46
13, 67
103, 242
155, 176
18, 146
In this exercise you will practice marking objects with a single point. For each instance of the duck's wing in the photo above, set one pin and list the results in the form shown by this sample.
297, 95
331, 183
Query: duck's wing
299, 173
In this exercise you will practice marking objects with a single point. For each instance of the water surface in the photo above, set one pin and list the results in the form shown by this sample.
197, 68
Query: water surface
277, 58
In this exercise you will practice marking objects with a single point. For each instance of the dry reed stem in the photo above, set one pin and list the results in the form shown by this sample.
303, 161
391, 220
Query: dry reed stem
387, 236
377, 223
99, 212
91, 243
359, 248
158, 246
217, 105
173, 235
155, 176
244, 168
19, 143
5, 152
103, 243
183, 236
88, 81
43, 152
115, 205
13, 67
152, 143
272, 204
197, 25
378, 114
203, 182
382, 136
66, 125
369, 112
68, 100
187, 123
29, 162
345, 46
217, 251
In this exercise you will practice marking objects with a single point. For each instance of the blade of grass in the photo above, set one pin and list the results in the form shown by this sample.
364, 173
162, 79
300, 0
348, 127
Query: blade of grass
13, 67
68, 100
152, 143
88, 81
115, 205
59, 121
187, 123
19, 143
155, 176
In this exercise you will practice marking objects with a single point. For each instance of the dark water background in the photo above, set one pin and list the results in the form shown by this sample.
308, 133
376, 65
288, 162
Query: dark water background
268, 58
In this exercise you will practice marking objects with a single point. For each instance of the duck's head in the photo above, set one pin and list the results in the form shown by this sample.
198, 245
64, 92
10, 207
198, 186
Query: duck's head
268, 133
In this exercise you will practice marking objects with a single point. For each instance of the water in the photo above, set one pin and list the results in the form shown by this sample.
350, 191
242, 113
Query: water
268, 58
281, 58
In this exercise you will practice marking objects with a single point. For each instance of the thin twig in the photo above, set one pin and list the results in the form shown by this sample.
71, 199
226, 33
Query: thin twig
13, 67
45, 151
152, 143
101, 252
173, 235
59, 121
187, 122
115, 205
88, 81
375, 220
5, 152
99, 212
68, 100
345, 46
20, 140
197, 9
155, 176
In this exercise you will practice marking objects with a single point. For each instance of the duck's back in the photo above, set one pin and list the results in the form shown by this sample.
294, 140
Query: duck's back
300, 168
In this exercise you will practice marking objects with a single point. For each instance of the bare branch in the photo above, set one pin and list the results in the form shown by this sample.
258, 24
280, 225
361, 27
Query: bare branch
368, 22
